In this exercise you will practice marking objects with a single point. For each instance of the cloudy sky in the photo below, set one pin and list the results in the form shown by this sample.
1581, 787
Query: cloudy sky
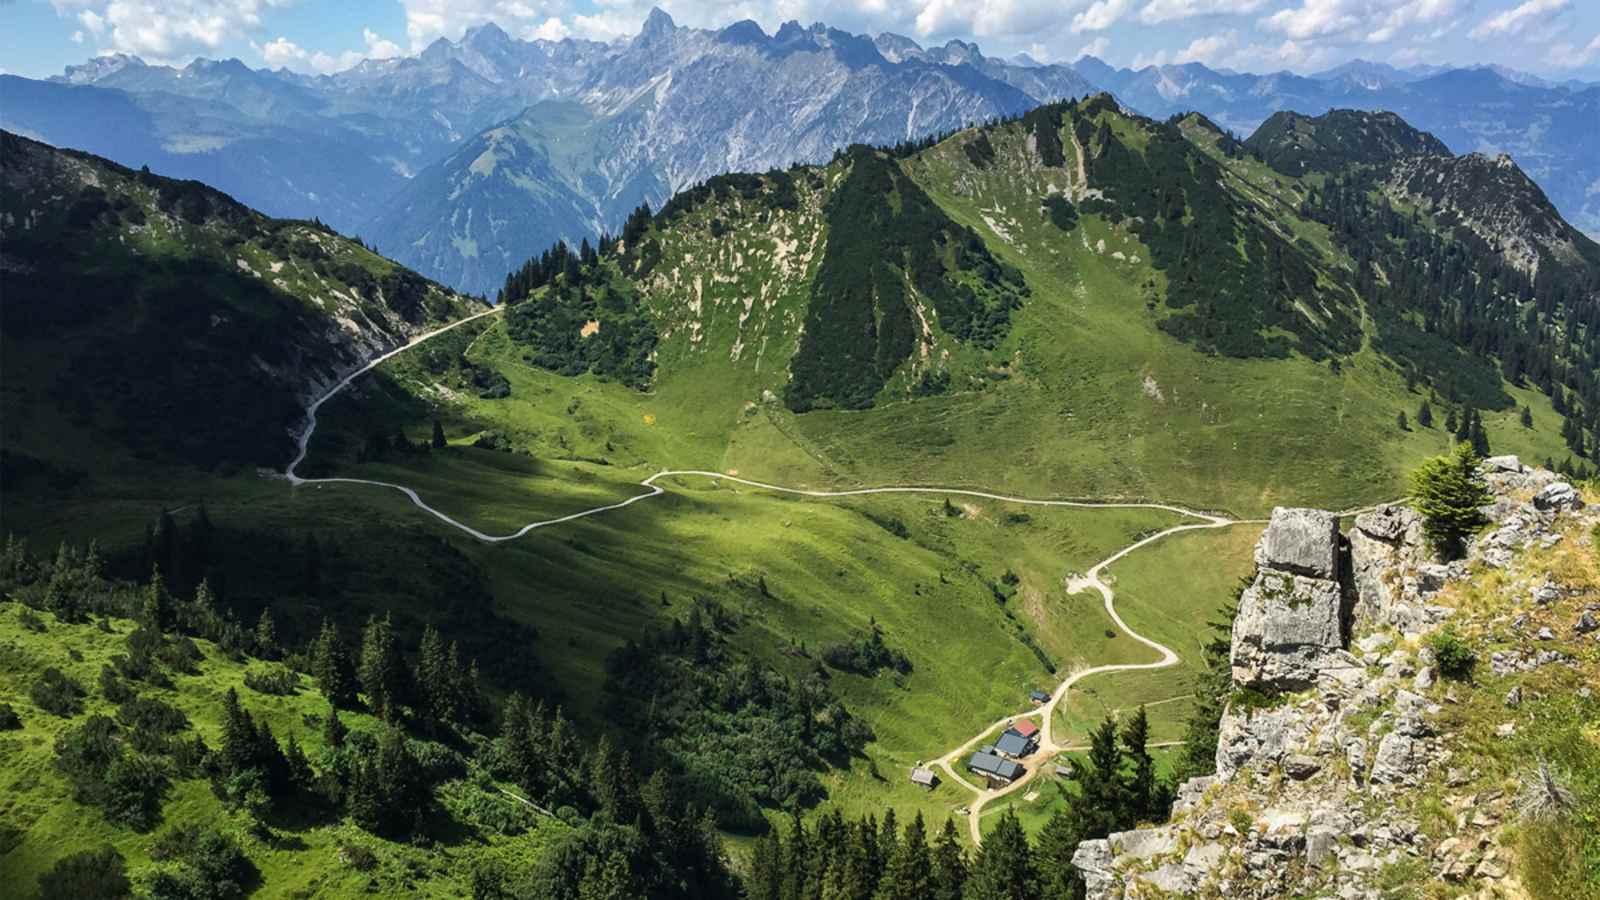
1554, 38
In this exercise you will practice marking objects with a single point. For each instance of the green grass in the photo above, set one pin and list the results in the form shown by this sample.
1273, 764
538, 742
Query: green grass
39, 823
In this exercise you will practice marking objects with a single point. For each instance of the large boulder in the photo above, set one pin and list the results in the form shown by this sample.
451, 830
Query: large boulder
1303, 541
1093, 860
1285, 626
1384, 542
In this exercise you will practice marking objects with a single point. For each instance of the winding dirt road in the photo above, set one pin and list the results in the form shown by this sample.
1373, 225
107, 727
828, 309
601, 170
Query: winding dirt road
1048, 747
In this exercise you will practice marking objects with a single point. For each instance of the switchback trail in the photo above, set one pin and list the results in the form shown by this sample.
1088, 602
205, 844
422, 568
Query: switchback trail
1091, 580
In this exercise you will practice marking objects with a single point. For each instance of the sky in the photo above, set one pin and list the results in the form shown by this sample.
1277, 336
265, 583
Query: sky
1557, 39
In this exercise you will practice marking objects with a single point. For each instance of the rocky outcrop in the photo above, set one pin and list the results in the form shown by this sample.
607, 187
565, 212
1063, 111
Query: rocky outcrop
1291, 616
1338, 725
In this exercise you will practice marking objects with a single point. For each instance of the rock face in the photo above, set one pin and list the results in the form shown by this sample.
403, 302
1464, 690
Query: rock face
1291, 616
1320, 777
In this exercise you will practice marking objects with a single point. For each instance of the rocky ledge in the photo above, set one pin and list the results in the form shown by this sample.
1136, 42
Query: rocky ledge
1345, 762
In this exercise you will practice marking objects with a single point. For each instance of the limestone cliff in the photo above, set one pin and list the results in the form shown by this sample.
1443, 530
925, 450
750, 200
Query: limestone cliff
1347, 764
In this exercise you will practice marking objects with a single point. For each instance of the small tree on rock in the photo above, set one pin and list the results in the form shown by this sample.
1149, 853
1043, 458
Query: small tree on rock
1448, 491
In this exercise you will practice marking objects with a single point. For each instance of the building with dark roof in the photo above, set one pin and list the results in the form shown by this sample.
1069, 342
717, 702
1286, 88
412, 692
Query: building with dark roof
1039, 697
1014, 745
994, 767
924, 776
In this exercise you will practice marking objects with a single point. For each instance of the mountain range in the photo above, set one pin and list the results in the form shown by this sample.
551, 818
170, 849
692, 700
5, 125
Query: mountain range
469, 157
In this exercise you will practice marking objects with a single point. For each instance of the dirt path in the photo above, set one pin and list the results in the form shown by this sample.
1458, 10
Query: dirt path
1048, 748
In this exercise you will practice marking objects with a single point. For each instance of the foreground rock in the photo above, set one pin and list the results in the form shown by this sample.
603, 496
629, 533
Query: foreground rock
1321, 777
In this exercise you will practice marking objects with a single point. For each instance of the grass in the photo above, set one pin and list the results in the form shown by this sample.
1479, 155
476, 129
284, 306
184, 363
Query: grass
39, 823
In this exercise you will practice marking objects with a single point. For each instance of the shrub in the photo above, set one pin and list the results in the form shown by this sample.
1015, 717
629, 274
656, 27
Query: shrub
55, 693
210, 866
1450, 651
9, 720
275, 680
87, 875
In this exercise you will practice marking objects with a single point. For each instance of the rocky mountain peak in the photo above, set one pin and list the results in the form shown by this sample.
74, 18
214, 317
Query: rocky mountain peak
657, 25
100, 67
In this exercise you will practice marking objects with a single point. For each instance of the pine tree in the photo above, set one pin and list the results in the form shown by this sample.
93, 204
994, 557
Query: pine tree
1450, 423
765, 881
382, 671
438, 440
1425, 415
909, 872
1147, 794
332, 668
239, 738
1448, 492
333, 730
1400, 422
1104, 803
155, 612
1058, 841
266, 636
1004, 868
949, 864
1463, 430
436, 680
1478, 437
1527, 417
390, 792
202, 616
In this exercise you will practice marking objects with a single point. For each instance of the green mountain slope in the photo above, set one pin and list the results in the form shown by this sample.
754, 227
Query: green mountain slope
171, 320
1080, 299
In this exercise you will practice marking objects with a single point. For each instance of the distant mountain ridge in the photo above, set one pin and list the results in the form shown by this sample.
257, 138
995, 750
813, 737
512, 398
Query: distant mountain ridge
467, 158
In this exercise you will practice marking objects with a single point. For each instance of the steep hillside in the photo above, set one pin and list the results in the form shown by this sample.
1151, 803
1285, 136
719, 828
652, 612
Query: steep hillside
962, 311
168, 318
1296, 145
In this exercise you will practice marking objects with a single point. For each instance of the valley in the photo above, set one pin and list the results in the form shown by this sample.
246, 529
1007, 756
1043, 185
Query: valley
747, 511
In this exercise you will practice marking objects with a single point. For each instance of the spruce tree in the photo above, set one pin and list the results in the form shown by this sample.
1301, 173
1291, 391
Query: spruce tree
1058, 841
765, 881
1448, 491
1146, 795
332, 668
239, 738
908, 874
1400, 422
1450, 423
1004, 868
155, 612
1527, 417
382, 671
436, 680
266, 636
949, 864
438, 439
333, 730
1478, 437
1425, 415
1463, 430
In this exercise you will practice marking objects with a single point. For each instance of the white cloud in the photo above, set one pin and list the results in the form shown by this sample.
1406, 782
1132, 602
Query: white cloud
429, 20
282, 52
1316, 18
1205, 49
1299, 56
1415, 12
77, 37
1096, 48
165, 29
1158, 11
1519, 19
1100, 15
1569, 56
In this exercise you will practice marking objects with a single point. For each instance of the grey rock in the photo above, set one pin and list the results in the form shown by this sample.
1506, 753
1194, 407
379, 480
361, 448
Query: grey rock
1513, 698
1586, 623
1320, 846
1519, 622
1426, 676
1355, 754
1302, 541
1094, 862
1557, 497
1142, 843
1286, 625
1172, 878
1259, 740
1300, 766
1190, 792
1396, 760
1203, 859
1544, 634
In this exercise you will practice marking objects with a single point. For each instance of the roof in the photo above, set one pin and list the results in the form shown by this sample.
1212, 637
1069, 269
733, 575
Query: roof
990, 764
1039, 695
1013, 744
921, 775
1025, 727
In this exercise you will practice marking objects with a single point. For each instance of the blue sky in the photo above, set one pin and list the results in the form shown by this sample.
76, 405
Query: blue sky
1554, 38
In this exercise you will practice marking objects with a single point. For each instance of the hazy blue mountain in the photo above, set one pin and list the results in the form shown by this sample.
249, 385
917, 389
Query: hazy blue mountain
466, 158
